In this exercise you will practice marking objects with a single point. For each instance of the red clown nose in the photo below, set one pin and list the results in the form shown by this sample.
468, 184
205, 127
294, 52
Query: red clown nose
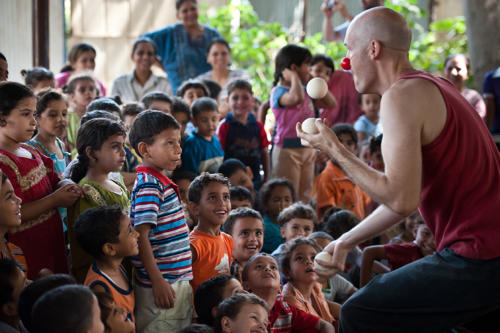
346, 64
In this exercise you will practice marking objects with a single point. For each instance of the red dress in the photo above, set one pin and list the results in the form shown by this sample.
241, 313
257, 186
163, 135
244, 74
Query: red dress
42, 238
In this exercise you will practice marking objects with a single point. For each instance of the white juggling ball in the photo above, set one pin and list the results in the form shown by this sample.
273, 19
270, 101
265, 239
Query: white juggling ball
323, 256
317, 88
309, 127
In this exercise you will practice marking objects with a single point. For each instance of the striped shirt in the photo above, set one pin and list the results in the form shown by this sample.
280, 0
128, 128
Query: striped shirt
155, 201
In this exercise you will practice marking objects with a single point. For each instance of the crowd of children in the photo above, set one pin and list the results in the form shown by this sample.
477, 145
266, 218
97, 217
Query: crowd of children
174, 215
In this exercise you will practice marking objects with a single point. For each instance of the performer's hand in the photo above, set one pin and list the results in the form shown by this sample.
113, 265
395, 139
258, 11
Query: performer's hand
325, 140
339, 251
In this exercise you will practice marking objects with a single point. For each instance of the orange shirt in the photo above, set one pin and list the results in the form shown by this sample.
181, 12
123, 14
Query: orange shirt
214, 255
294, 297
334, 188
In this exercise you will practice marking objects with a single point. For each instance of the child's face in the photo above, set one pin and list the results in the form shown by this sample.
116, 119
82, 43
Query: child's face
248, 237
262, 272
347, 140
411, 222
42, 84
111, 156
117, 320
319, 69
322, 241
206, 122
377, 160
161, 106
165, 152
97, 325
297, 227
85, 92
183, 185
302, 265
370, 104
425, 240
86, 61
232, 288
127, 124
456, 70
182, 119
214, 205
143, 56
240, 102
192, 94
19, 125
10, 206
280, 198
127, 239
53, 121
252, 318
241, 178
235, 204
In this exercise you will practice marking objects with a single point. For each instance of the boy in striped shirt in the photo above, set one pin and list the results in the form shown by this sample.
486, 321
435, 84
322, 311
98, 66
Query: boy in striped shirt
163, 267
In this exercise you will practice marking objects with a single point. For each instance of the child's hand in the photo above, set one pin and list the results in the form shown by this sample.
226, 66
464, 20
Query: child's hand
288, 74
67, 195
164, 294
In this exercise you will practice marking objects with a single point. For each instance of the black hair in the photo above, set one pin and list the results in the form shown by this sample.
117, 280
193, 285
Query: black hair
240, 193
153, 96
244, 272
8, 272
98, 114
75, 52
203, 104
270, 185
92, 134
144, 39
44, 98
230, 166
2, 57
340, 222
197, 328
11, 93
218, 41
69, 88
132, 109
214, 88
104, 104
32, 77
345, 128
97, 226
325, 59
240, 213
147, 125
179, 174
180, 105
199, 183
178, 3
188, 84
297, 210
458, 55
289, 55
64, 309
105, 301
232, 306
35, 290
287, 250
239, 84
209, 295
320, 234
376, 143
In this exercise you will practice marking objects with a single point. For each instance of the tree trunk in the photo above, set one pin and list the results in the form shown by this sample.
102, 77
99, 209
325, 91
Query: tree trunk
483, 38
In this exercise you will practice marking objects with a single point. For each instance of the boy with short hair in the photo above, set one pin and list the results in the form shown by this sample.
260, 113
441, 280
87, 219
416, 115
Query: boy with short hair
333, 187
240, 197
238, 174
246, 227
163, 268
202, 150
157, 100
211, 249
241, 135
107, 235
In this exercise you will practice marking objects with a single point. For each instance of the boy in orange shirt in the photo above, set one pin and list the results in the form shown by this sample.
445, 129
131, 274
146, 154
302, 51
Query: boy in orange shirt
211, 249
333, 187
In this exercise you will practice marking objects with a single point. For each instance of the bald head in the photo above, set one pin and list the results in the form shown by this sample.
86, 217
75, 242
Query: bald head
382, 24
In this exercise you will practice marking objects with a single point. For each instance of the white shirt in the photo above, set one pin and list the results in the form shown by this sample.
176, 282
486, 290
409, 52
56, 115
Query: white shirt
129, 90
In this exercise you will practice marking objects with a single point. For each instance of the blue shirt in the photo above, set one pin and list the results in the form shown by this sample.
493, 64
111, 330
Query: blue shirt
491, 88
182, 56
199, 155
363, 124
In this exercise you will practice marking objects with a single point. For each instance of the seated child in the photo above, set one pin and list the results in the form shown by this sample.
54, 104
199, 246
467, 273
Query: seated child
398, 255
38, 79
366, 125
261, 277
210, 293
202, 150
240, 197
113, 316
275, 195
247, 229
107, 235
333, 187
242, 313
406, 228
190, 91
303, 289
163, 267
296, 220
182, 113
211, 248
157, 100
12, 283
69, 308
238, 174
241, 135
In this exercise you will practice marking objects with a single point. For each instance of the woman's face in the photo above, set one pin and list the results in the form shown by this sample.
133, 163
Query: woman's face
188, 13
144, 56
218, 56
456, 70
